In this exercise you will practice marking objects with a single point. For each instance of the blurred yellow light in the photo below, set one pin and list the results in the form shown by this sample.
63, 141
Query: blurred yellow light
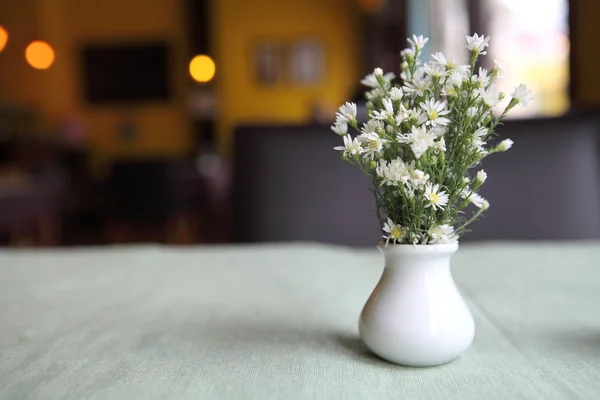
3, 38
39, 55
202, 68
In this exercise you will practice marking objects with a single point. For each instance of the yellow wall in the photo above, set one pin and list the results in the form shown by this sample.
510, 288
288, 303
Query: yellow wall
240, 24
67, 24
237, 25
18, 82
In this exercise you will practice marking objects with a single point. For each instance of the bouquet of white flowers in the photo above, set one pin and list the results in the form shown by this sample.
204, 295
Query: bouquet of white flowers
421, 139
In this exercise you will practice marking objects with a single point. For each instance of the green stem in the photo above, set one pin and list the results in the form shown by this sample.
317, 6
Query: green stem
460, 229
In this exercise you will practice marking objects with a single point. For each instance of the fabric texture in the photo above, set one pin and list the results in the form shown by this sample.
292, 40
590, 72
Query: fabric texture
280, 322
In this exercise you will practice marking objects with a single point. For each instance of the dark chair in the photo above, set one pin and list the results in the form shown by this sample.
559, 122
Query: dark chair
547, 187
290, 185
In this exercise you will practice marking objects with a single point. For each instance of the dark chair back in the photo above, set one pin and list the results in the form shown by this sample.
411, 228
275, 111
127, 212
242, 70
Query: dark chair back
290, 185
547, 187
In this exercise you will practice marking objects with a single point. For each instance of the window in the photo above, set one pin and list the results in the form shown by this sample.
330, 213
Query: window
529, 37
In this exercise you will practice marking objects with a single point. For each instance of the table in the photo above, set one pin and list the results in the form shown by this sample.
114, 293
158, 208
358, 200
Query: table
280, 322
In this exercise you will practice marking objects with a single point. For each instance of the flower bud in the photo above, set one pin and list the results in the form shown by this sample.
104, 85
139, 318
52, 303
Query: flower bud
504, 145
481, 176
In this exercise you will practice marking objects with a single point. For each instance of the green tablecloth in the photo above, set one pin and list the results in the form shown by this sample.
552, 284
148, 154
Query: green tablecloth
280, 322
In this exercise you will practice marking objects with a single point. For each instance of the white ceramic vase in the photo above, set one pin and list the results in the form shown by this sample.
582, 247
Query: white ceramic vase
416, 315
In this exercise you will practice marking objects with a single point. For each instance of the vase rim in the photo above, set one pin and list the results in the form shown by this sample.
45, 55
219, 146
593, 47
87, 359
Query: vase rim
418, 248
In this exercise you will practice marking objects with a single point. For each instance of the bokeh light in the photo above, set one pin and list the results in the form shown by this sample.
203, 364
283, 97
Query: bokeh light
202, 68
39, 54
3, 37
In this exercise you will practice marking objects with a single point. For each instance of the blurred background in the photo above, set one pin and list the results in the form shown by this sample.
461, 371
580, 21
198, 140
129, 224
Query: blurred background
206, 121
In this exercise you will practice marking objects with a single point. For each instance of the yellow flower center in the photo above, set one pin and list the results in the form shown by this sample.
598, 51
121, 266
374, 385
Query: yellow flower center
396, 232
434, 198
451, 92
373, 144
433, 115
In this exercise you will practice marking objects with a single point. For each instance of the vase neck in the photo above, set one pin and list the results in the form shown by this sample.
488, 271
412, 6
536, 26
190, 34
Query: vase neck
418, 260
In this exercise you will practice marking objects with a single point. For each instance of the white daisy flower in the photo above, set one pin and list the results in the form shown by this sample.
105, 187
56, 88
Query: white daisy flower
407, 53
340, 127
435, 197
400, 118
373, 144
478, 142
439, 145
449, 62
441, 234
418, 42
449, 90
472, 111
387, 112
483, 79
477, 44
522, 95
396, 93
457, 78
351, 146
481, 176
498, 70
372, 125
418, 179
490, 96
414, 238
453, 83
399, 171
434, 70
347, 112
403, 113
375, 94
504, 145
395, 232
419, 139
438, 131
371, 79
382, 172
417, 116
419, 85
478, 201
466, 192
435, 111
394, 173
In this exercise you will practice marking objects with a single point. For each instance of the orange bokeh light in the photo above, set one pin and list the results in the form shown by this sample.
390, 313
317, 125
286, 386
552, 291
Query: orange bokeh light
202, 68
39, 54
3, 38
